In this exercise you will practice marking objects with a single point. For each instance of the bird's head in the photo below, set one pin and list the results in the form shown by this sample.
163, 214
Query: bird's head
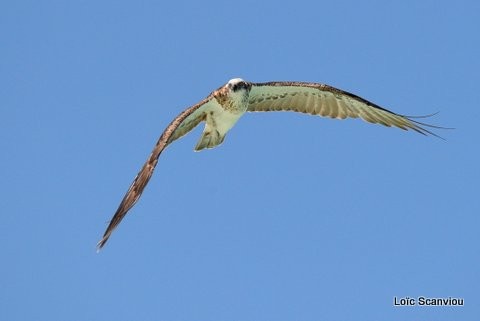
237, 84
234, 93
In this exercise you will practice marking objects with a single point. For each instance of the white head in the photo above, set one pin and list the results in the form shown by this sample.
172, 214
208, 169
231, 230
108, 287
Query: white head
235, 81
237, 84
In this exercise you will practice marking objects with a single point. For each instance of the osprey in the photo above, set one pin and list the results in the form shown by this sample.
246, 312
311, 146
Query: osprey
224, 106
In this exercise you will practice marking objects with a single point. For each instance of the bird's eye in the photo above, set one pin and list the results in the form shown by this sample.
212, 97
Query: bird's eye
238, 86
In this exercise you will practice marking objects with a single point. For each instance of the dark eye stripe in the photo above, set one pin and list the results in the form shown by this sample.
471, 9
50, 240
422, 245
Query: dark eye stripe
240, 85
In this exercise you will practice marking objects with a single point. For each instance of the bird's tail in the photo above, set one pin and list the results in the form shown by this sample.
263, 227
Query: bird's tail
209, 139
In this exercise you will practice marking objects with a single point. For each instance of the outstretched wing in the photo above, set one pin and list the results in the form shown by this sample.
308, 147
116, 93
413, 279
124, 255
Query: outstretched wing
180, 126
327, 101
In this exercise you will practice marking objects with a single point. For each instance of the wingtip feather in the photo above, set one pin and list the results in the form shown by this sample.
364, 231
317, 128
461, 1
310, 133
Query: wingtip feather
101, 243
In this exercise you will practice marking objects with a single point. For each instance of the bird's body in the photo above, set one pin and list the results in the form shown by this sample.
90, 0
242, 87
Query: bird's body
229, 103
224, 107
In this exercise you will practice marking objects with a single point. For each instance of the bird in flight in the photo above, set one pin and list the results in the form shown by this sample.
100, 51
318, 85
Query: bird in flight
223, 108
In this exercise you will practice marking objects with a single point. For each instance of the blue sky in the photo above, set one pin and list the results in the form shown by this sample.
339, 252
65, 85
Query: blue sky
292, 218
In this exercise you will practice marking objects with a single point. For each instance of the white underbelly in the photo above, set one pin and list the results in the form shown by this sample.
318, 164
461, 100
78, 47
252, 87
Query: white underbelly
224, 119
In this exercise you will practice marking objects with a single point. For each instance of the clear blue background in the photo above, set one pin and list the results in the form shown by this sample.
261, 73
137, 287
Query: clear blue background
292, 218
